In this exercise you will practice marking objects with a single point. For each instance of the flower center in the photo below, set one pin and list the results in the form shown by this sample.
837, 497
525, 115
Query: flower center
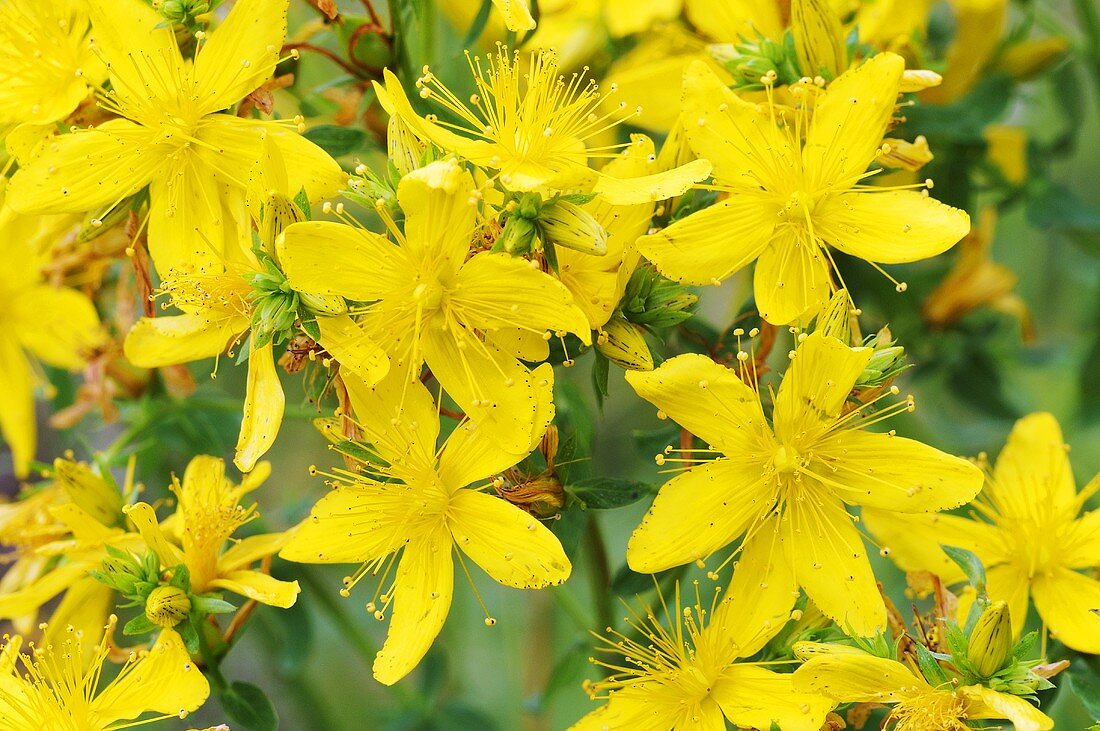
429, 295
798, 207
938, 710
786, 460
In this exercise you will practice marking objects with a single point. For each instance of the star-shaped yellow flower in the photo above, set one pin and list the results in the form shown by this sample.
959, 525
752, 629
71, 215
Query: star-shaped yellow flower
784, 485
426, 503
428, 300
56, 325
1026, 530
173, 135
789, 198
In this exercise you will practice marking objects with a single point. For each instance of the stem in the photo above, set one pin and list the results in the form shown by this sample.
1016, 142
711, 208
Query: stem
309, 700
565, 599
1089, 18
599, 572
351, 631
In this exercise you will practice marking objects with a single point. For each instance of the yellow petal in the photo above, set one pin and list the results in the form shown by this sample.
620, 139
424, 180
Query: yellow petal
493, 389
17, 424
1067, 601
144, 519
84, 170
165, 681
523, 344
348, 525
696, 513
350, 344
893, 473
632, 707
912, 541
82, 525
85, 607
1082, 541
263, 408
857, 678
59, 325
160, 341
1034, 469
509, 544
708, 400
741, 142
626, 17
727, 20
654, 187
830, 563
988, 703
710, 245
240, 54
396, 415
259, 586
440, 207
144, 60
850, 121
189, 217
816, 384
495, 291
30, 597
758, 601
336, 259
251, 549
754, 697
422, 594
650, 76
517, 14
792, 279
891, 227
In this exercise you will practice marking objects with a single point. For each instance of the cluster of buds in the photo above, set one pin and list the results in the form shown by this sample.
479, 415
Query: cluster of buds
182, 12
651, 300
277, 307
886, 363
750, 62
531, 223
164, 596
988, 655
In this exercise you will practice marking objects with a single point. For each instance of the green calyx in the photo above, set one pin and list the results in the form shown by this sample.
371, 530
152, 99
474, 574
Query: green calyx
651, 300
750, 61
182, 12
278, 307
886, 363
529, 222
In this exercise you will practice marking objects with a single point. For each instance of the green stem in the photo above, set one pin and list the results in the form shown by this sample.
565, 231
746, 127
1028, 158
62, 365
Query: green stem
309, 700
1089, 18
352, 632
569, 603
210, 660
599, 572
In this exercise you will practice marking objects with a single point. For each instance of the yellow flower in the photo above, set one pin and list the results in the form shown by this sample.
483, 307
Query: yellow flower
54, 689
848, 675
784, 485
56, 325
47, 66
688, 676
531, 125
173, 136
1031, 540
979, 28
788, 199
426, 503
208, 512
467, 318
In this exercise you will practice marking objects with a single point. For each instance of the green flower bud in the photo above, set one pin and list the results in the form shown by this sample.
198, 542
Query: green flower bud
181, 11
654, 301
623, 343
886, 363
749, 61
567, 224
990, 643
518, 236
167, 606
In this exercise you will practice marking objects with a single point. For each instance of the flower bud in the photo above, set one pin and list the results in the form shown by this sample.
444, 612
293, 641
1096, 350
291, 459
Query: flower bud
567, 224
182, 11
990, 642
819, 38
750, 60
918, 80
323, 304
835, 321
1029, 58
623, 343
167, 606
405, 149
518, 236
653, 301
904, 155
886, 363
279, 212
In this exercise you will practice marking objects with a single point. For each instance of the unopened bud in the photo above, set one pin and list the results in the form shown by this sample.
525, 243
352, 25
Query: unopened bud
518, 236
623, 343
654, 301
167, 606
405, 149
567, 224
990, 642
835, 321
323, 304
886, 362
819, 38
904, 155
918, 80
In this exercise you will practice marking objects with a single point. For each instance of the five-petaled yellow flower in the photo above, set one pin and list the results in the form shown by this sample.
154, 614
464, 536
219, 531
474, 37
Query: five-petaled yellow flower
532, 126
55, 689
40, 322
207, 514
427, 300
849, 675
690, 676
787, 199
783, 486
1026, 530
173, 136
426, 503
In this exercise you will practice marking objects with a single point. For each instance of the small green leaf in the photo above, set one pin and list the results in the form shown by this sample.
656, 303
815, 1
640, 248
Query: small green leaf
302, 201
1086, 686
248, 707
607, 493
929, 668
211, 605
312, 328
139, 625
335, 140
971, 565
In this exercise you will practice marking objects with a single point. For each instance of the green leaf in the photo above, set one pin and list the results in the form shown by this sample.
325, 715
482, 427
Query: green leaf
139, 625
569, 527
1086, 686
567, 672
478, 26
576, 432
607, 493
971, 565
312, 328
601, 369
302, 201
211, 605
248, 707
929, 668
335, 140
628, 582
